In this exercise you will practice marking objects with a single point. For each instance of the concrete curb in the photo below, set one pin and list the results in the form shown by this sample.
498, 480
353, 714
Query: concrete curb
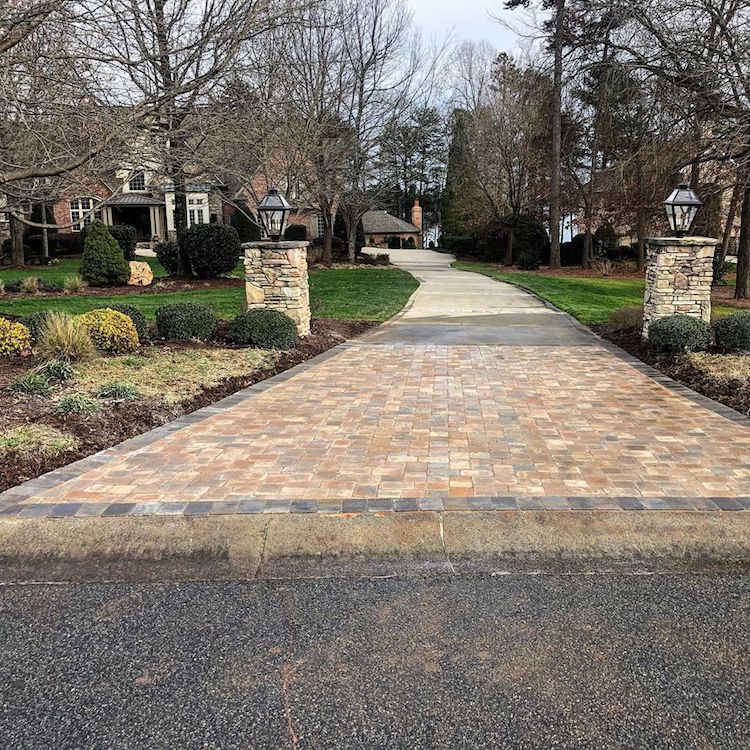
418, 543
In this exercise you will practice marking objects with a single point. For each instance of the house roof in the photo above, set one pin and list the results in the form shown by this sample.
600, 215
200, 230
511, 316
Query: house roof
133, 199
381, 222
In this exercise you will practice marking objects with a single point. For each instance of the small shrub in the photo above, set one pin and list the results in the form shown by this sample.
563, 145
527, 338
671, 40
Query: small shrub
62, 336
110, 330
382, 259
15, 338
167, 253
528, 261
31, 383
103, 262
35, 322
213, 249
626, 318
117, 391
29, 285
679, 333
136, 316
74, 283
50, 286
13, 286
603, 266
186, 320
733, 331
126, 237
36, 440
76, 403
56, 369
267, 329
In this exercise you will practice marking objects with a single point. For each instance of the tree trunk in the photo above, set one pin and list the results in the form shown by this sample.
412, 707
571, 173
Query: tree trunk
640, 232
721, 253
16, 241
742, 287
588, 247
351, 232
508, 260
554, 196
327, 254
180, 221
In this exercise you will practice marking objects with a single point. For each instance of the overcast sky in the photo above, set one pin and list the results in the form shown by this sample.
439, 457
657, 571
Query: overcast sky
466, 19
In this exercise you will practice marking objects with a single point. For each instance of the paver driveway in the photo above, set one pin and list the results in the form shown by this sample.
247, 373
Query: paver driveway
476, 389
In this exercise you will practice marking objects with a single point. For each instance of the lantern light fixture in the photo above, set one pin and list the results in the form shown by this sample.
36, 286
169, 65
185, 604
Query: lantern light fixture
274, 211
682, 206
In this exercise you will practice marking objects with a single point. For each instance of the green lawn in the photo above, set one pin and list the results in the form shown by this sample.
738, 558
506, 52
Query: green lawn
344, 294
588, 299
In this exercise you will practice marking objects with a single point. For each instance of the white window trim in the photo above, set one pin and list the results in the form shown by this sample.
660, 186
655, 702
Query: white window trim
80, 216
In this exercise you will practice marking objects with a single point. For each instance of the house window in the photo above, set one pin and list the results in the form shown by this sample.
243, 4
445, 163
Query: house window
320, 225
197, 205
137, 182
81, 213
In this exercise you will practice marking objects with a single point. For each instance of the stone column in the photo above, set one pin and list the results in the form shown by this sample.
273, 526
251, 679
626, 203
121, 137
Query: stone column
276, 279
679, 272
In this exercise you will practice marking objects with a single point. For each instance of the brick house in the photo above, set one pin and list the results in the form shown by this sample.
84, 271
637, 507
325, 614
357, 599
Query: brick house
381, 228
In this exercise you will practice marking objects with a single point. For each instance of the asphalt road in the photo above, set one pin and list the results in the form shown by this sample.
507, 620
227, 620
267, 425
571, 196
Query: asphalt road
618, 661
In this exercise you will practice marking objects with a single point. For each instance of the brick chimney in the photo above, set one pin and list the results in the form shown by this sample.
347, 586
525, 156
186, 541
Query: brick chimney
416, 218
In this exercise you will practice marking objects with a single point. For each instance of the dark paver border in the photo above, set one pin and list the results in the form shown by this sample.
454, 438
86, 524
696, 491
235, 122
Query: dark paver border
358, 506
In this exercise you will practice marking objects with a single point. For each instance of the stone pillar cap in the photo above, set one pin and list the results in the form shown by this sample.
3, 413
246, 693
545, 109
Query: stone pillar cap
682, 241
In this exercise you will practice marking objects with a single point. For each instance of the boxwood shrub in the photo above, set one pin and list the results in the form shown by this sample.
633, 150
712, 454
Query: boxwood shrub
138, 318
733, 331
213, 249
186, 320
267, 329
167, 253
679, 333
126, 237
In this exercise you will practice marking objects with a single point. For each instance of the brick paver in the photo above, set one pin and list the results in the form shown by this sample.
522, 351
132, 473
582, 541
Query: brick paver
388, 419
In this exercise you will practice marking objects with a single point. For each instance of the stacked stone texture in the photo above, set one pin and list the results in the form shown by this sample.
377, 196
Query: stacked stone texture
678, 278
276, 279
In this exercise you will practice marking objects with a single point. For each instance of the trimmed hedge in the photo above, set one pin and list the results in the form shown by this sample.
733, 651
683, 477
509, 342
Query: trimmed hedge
167, 253
186, 320
460, 245
679, 333
213, 249
267, 329
296, 232
135, 315
103, 261
126, 237
528, 260
733, 331
111, 331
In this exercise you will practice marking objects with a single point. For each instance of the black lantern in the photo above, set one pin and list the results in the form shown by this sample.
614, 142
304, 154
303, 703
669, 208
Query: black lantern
682, 206
274, 211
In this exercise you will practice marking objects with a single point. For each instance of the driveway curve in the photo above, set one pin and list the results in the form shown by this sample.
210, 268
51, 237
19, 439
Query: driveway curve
476, 389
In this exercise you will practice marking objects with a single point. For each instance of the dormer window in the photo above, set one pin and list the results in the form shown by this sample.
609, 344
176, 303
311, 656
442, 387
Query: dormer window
137, 182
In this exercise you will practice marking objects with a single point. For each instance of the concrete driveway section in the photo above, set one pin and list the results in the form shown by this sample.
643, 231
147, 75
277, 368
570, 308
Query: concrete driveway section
476, 389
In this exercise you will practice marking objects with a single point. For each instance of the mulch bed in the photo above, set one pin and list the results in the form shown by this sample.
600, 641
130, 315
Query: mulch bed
732, 393
161, 285
120, 421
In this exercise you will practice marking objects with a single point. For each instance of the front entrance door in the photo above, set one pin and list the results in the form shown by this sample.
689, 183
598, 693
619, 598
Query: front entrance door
138, 217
